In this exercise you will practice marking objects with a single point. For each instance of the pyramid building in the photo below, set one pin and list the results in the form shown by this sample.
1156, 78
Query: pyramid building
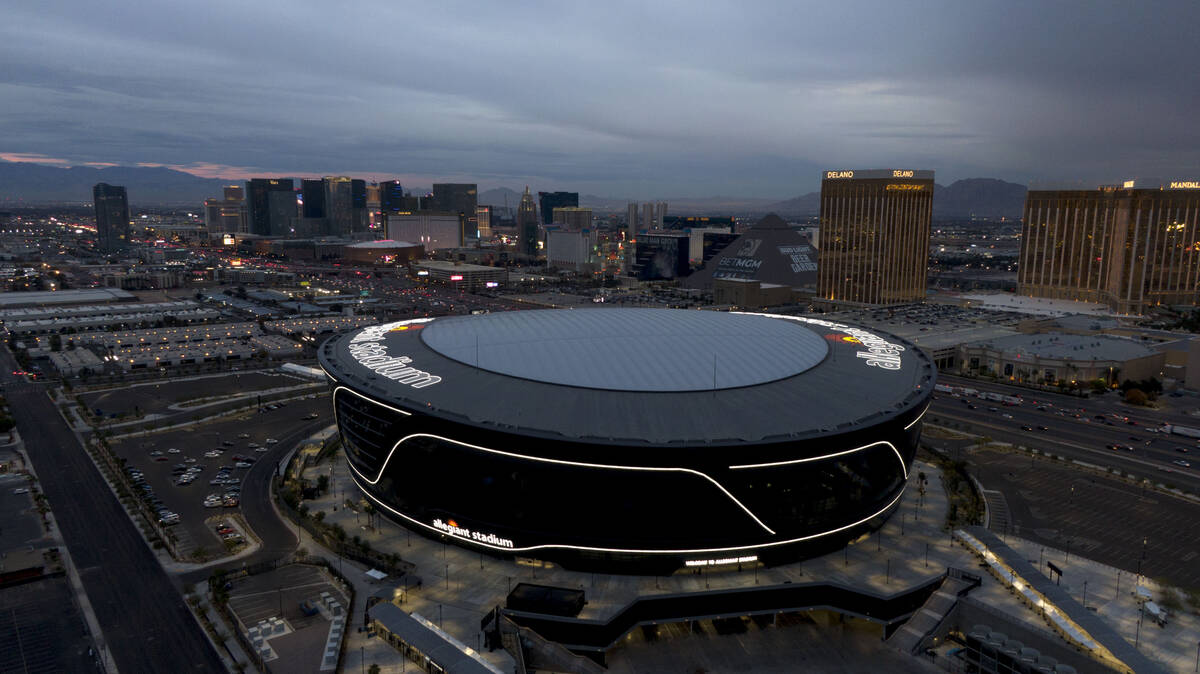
771, 252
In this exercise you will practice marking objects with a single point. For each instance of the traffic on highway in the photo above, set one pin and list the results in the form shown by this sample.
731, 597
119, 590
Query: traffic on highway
1156, 443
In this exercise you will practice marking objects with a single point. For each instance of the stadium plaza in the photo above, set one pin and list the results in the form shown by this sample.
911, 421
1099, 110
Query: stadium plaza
460, 586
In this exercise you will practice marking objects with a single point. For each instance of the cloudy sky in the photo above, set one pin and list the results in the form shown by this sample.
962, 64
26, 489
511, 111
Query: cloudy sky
622, 99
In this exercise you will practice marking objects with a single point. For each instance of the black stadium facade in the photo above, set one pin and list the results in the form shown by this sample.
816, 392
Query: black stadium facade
631, 439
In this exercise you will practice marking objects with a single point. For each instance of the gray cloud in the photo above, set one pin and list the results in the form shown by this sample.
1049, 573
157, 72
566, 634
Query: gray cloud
619, 98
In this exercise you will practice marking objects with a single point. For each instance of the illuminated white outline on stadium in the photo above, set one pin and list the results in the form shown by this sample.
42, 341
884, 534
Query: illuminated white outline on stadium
354, 475
919, 417
401, 441
789, 462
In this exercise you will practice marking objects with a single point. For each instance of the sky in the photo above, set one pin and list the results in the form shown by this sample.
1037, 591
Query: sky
617, 99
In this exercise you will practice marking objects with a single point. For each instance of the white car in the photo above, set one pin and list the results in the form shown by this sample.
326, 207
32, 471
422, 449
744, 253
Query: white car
243, 435
270, 441
172, 450
262, 449
253, 445
212, 453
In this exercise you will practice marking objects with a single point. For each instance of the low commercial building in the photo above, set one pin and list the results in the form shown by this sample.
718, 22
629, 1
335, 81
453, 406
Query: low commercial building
750, 294
74, 361
63, 297
177, 335
68, 324
462, 276
235, 275
277, 346
163, 355
33, 313
1059, 357
319, 325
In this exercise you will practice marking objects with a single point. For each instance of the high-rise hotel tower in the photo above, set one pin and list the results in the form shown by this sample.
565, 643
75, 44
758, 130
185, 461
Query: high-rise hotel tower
1130, 248
874, 235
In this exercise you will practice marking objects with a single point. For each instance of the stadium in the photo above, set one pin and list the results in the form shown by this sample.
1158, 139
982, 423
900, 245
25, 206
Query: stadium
640, 440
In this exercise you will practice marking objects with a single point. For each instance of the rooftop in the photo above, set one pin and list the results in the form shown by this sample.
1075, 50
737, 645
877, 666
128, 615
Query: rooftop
446, 265
1037, 306
1068, 347
81, 296
383, 243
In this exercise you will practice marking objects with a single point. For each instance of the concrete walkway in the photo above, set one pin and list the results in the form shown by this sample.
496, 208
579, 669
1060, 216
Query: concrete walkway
461, 586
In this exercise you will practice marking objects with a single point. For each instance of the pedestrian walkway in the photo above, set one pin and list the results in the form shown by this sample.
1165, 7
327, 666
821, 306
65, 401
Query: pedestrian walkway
460, 586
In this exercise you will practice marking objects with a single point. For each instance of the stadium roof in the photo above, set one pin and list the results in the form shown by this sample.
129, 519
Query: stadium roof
638, 376
630, 349
771, 251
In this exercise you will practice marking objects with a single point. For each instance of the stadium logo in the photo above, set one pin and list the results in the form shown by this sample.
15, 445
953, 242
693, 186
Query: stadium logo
368, 350
453, 529
876, 351
836, 337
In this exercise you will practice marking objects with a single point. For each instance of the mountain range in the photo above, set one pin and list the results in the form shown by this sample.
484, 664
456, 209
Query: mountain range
986, 197
24, 183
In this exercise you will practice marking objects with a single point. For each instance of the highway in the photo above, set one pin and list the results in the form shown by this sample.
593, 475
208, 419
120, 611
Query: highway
146, 624
1068, 426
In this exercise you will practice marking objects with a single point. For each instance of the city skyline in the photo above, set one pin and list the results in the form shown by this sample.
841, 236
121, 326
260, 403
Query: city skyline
630, 110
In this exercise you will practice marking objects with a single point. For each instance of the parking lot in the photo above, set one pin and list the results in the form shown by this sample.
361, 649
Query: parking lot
1098, 517
42, 630
156, 397
22, 526
162, 457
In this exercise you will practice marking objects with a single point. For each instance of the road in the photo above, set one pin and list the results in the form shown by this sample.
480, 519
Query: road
146, 624
1058, 430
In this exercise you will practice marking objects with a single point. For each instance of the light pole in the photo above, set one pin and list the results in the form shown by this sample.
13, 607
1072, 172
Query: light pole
1138, 635
1084, 595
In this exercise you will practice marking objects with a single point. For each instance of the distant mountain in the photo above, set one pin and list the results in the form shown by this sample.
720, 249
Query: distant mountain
495, 197
27, 183
678, 206
979, 196
973, 196
805, 204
